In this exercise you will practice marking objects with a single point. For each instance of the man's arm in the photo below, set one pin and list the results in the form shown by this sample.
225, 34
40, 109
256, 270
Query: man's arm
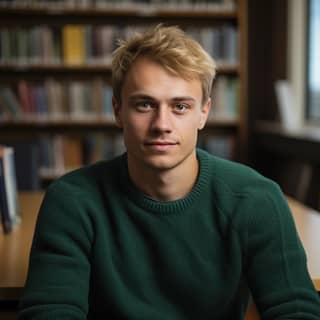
59, 270
276, 262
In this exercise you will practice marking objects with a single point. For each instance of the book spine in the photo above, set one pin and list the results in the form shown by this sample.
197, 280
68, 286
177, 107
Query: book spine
10, 102
11, 185
5, 217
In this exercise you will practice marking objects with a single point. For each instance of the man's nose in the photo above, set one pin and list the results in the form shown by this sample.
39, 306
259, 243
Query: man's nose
162, 118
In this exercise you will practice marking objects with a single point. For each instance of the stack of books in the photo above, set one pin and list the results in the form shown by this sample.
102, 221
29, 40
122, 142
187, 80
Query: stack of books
9, 208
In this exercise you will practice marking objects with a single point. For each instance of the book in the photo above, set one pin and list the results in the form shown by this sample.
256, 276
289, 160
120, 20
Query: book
72, 151
97, 97
73, 40
10, 103
9, 198
27, 162
285, 100
107, 102
219, 145
225, 98
5, 52
25, 97
11, 185
5, 218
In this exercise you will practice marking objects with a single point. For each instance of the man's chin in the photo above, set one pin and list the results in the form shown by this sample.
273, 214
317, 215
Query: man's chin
161, 162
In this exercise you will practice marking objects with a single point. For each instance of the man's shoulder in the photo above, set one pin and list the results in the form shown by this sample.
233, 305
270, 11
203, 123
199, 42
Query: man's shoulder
240, 192
89, 177
237, 180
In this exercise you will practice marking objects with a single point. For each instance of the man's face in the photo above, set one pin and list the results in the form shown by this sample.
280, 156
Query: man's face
160, 115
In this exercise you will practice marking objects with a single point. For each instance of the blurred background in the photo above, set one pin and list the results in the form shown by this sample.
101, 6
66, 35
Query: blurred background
55, 94
56, 113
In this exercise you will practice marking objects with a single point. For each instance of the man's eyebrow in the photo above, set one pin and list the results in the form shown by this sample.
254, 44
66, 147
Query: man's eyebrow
148, 97
183, 98
141, 96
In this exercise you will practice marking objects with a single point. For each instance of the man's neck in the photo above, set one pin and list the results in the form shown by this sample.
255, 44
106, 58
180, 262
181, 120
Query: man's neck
165, 185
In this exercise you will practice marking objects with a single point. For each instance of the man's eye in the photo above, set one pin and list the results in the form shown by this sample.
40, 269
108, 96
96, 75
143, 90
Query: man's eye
143, 105
180, 107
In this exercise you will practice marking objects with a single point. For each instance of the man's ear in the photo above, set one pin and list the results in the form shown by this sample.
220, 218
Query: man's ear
205, 110
117, 112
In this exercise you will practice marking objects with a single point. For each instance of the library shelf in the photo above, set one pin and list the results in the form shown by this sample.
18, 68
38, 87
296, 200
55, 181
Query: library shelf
87, 15
15, 70
93, 124
66, 125
302, 142
34, 76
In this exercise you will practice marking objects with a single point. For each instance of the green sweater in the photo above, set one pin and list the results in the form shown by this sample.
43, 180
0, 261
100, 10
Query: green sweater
103, 250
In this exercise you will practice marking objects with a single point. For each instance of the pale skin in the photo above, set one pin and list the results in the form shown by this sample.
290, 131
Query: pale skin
160, 115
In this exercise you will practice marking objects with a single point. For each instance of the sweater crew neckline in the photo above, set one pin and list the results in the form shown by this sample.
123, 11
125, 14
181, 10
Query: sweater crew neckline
168, 207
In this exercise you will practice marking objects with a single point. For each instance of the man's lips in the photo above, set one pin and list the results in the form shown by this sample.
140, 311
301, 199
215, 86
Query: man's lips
160, 143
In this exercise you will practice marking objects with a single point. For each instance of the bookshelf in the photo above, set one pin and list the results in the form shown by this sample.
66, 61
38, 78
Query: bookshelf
288, 156
48, 88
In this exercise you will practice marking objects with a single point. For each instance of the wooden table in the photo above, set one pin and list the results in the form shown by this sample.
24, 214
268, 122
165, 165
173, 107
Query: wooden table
15, 247
308, 226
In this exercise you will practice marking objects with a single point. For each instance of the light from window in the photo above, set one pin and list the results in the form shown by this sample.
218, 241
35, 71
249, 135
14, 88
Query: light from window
313, 61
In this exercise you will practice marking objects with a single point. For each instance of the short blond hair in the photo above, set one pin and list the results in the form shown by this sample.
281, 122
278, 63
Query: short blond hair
169, 46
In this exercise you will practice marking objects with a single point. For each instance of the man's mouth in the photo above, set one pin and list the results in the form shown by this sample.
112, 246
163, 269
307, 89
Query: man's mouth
160, 145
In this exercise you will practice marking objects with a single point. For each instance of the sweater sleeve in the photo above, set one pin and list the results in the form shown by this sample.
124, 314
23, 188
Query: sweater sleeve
276, 262
57, 284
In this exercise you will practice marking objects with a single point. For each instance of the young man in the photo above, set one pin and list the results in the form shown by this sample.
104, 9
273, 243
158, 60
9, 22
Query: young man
165, 231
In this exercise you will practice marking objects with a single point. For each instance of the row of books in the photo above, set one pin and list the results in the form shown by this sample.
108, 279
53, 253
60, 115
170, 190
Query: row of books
225, 98
54, 99
62, 153
88, 44
50, 156
221, 145
87, 99
9, 207
46, 158
59, 154
201, 4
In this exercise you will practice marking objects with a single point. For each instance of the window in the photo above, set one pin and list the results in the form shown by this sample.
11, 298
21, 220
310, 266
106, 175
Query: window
313, 61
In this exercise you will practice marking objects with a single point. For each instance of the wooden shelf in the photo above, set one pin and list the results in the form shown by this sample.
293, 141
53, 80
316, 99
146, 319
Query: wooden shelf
66, 125
10, 72
86, 124
308, 133
215, 12
60, 15
301, 143
104, 70
222, 122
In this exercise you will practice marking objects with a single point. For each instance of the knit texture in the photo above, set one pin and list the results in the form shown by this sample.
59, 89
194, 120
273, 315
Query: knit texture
104, 250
